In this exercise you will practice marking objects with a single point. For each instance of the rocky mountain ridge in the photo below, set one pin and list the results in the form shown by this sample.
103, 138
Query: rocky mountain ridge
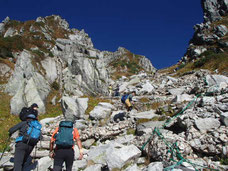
208, 47
39, 55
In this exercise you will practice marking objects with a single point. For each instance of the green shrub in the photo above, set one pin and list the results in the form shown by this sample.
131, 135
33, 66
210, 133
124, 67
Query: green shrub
204, 58
224, 161
51, 54
13, 23
131, 131
55, 85
5, 52
181, 66
38, 52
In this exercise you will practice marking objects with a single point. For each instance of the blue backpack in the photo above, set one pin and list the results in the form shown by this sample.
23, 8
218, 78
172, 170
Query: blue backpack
64, 137
124, 97
33, 134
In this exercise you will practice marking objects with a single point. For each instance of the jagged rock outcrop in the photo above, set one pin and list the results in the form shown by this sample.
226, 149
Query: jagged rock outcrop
85, 72
27, 85
209, 35
214, 9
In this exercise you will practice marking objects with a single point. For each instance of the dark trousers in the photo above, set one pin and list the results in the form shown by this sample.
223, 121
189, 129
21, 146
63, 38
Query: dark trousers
61, 156
22, 152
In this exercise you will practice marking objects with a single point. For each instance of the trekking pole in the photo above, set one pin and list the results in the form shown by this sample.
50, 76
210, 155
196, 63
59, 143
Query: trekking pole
34, 159
5, 148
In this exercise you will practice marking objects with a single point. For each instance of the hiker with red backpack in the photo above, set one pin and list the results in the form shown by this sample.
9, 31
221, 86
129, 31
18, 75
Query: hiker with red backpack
29, 135
63, 139
127, 100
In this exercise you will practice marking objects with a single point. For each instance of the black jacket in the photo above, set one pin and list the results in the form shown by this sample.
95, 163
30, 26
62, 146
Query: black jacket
22, 127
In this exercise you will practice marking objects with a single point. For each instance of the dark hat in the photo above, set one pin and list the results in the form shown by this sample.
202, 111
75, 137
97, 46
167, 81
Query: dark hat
34, 105
31, 116
133, 92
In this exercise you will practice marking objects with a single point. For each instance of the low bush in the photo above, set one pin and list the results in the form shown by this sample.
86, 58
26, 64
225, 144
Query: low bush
55, 85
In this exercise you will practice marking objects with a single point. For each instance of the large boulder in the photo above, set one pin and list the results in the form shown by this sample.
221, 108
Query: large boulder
118, 157
207, 123
147, 88
155, 166
44, 163
224, 118
101, 111
183, 98
98, 154
144, 115
216, 79
74, 107
176, 91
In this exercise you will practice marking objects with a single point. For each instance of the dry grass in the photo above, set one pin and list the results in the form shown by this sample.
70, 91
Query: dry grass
144, 100
7, 62
126, 65
168, 70
6, 119
30, 39
210, 61
52, 110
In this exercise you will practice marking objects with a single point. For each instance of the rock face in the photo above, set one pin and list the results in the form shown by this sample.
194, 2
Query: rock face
27, 85
214, 9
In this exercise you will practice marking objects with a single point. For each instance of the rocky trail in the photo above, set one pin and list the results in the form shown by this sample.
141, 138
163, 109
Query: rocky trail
184, 132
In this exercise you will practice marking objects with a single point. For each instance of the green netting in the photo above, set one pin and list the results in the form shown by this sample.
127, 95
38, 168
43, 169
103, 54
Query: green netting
173, 148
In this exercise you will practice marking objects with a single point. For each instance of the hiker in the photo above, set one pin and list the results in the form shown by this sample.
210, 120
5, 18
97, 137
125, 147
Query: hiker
110, 90
29, 135
127, 100
25, 111
117, 89
64, 137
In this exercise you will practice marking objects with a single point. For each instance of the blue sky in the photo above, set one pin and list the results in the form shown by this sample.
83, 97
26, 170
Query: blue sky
159, 30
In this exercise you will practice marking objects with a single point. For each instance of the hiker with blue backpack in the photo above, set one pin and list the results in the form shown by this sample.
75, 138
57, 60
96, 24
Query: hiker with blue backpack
29, 135
127, 100
63, 138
